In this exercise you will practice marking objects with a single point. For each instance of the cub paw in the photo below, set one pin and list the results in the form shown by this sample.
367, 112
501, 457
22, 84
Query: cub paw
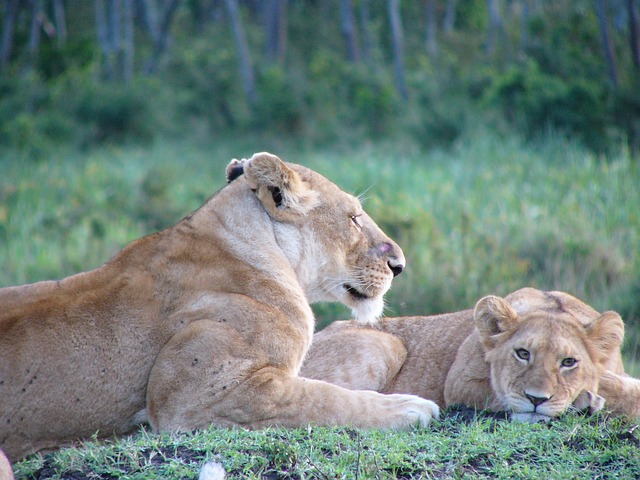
589, 401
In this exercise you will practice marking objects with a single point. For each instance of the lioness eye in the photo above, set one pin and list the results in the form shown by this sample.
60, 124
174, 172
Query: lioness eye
569, 362
356, 221
522, 354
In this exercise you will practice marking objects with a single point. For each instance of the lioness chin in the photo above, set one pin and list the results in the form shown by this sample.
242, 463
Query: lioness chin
206, 322
536, 354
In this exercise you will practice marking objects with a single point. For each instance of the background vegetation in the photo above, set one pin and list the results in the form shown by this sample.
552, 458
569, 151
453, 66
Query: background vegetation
496, 141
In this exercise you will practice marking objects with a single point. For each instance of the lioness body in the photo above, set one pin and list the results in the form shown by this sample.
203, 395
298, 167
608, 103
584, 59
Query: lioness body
205, 322
458, 359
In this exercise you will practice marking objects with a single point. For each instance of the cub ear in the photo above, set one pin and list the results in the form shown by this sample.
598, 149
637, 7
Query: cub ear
606, 334
493, 316
279, 188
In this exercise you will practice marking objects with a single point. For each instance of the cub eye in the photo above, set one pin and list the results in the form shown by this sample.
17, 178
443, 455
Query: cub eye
569, 362
523, 354
356, 221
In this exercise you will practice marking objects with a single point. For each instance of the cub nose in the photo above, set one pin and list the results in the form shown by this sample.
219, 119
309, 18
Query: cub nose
536, 401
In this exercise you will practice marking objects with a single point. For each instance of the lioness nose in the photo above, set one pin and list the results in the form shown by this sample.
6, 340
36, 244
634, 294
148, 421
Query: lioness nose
536, 400
395, 257
395, 268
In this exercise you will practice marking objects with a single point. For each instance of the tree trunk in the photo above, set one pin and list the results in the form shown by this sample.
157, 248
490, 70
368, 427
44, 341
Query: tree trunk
246, 69
103, 38
128, 41
633, 33
158, 26
36, 24
430, 37
449, 21
61, 23
365, 26
104, 32
397, 47
606, 43
524, 26
115, 33
275, 24
494, 28
11, 8
349, 31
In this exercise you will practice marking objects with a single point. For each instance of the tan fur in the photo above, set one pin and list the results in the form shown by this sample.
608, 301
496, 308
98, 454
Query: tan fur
204, 323
473, 357
6, 473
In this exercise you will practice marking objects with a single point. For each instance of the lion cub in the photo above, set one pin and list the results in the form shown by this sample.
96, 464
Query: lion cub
536, 354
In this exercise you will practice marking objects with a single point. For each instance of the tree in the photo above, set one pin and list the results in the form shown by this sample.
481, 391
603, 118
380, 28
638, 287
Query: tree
36, 24
606, 42
633, 33
61, 24
431, 41
397, 42
128, 44
275, 25
10, 12
449, 20
246, 69
158, 16
365, 26
349, 31
108, 34
494, 28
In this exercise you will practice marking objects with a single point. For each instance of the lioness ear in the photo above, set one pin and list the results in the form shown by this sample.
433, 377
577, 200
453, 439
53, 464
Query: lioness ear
279, 188
606, 334
493, 316
235, 169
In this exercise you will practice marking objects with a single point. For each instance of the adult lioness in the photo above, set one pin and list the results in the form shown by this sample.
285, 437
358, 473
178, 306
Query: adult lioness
534, 353
205, 322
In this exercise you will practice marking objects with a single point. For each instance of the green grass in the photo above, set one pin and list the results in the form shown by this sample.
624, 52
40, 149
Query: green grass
490, 216
568, 448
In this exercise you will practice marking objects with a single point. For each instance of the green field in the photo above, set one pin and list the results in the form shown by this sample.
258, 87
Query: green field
489, 216
569, 448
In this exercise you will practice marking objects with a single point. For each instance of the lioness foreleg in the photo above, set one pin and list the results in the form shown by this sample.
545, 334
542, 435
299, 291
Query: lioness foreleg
201, 378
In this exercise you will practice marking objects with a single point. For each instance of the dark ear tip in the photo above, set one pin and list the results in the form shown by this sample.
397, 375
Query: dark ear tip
234, 170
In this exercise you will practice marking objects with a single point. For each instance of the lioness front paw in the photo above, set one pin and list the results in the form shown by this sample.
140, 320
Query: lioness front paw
414, 410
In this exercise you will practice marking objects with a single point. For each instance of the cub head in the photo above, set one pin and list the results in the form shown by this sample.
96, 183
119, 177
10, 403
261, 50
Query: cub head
335, 248
545, 361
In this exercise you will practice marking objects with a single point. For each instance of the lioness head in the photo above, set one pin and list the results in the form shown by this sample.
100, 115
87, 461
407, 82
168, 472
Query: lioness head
545, 361
335, 248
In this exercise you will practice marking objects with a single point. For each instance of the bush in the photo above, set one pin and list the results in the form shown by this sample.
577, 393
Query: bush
205, 85
278, 108
113, 112
535, 101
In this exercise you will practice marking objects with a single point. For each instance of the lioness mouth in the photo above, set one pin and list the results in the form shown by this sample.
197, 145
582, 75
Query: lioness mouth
355, 293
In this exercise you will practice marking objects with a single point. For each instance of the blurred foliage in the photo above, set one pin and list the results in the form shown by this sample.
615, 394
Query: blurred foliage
547, 73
